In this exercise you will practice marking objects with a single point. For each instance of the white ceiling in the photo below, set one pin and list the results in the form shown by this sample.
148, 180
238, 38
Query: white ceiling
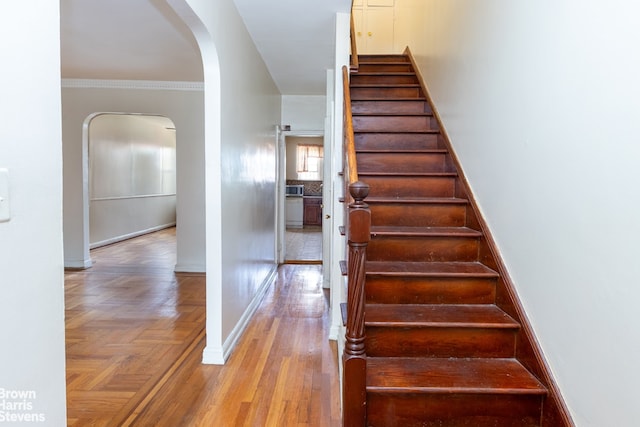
145, 40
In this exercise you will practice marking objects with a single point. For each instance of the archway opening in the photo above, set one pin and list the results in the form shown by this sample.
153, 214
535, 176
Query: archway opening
132, 176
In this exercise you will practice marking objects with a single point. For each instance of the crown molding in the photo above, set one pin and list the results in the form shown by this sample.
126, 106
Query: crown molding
132, 84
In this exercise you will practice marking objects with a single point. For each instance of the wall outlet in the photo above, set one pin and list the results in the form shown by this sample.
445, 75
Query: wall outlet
5, 211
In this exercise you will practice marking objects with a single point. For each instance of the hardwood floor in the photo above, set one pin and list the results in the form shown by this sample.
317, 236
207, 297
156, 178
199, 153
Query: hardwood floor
135, 335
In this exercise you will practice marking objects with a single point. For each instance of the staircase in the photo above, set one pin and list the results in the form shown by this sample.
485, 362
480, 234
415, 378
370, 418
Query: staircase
440, 350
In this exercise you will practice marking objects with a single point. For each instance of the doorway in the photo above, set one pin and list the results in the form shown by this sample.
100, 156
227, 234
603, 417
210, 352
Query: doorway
303, 160
132, 176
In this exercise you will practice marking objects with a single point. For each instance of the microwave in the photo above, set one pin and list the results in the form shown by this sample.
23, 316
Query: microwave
294, 190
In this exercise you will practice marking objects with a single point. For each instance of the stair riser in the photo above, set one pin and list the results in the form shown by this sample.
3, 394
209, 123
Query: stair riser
394, 124
409, 186
403, 107
391, 67
402, 162
422, 249
419, 290
383, 58
385, 92
398, 141
439, 342
418, 215
383, 79
453, 410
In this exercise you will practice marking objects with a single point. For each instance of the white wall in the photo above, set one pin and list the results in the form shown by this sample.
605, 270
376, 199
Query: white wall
305, 113
242, 106
132, 176
32, 308
541, 102
183, 103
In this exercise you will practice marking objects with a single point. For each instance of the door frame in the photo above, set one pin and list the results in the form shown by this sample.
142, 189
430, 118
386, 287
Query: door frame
281, 181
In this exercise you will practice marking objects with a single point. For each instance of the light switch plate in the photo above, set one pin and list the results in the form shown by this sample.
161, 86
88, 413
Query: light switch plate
5, 211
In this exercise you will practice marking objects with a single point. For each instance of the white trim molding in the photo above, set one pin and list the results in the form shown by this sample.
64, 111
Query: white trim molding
132, 84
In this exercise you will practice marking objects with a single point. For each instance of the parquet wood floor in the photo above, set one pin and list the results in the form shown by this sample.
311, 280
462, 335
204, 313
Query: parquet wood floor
135, 335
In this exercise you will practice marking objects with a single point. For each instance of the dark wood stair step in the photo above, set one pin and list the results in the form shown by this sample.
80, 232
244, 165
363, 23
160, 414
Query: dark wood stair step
438, 315
359, 92
391, 133
429, 283
393, 114
391, 99
383, 85
367, 58
394, 123
404, 150
391, 106
370, 73
450, 375
418, 211
423, 244
415, 392
412, 174
404, 161
409, 185
397, 140
430, 269
383, 78
439, 330
425, 231
384, 66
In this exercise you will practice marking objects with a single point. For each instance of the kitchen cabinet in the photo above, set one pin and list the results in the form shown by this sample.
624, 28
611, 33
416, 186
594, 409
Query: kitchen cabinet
312, 211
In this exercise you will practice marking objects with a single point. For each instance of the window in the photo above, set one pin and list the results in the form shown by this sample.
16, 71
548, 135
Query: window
309, 158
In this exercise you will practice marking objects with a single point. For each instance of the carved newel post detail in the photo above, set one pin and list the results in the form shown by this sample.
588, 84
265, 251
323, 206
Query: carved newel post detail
354, 357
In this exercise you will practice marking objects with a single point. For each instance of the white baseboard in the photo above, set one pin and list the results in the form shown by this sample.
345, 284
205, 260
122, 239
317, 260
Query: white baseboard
213, 356
189, 268
82, 264
219, 355
130, 235
334, 332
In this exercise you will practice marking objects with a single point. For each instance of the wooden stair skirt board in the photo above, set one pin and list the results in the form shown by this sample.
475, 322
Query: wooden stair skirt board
447, 343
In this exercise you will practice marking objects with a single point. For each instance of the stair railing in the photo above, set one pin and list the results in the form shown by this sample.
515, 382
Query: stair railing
354, 47
358, 231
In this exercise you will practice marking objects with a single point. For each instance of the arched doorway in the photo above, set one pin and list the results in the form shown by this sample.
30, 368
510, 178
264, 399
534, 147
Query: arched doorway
132, 176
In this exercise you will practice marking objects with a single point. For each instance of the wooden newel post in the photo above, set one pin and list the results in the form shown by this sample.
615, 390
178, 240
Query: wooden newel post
354, 357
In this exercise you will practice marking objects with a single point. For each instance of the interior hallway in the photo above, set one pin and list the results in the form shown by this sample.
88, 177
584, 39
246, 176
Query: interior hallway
135, 335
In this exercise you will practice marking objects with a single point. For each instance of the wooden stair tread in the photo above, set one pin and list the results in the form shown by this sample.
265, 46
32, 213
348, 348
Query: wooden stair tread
399, 114
434, 174
450, 375
438, 315
404, 151
429, 269
392, 98
383, 85
424, 131
386, 73
401, 62
417, 200
343, 267
381, 230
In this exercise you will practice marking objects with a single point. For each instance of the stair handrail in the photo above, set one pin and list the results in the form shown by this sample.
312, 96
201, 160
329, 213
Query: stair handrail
358, 231
350, 170
354, 48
